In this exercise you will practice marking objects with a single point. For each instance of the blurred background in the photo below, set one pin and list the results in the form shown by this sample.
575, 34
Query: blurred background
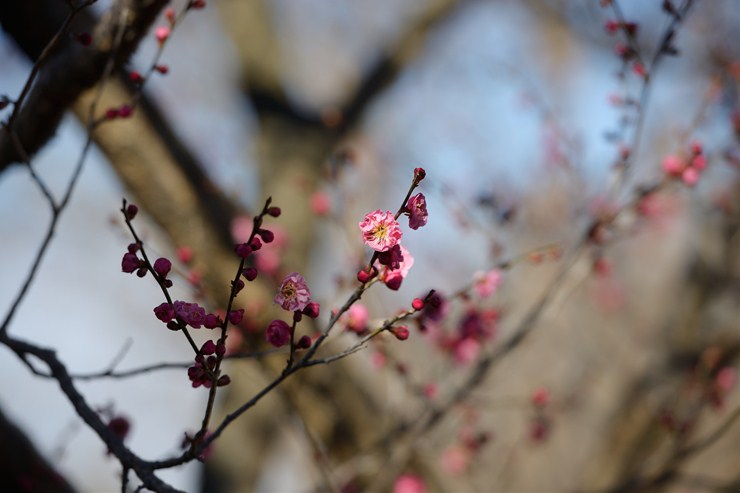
519, 113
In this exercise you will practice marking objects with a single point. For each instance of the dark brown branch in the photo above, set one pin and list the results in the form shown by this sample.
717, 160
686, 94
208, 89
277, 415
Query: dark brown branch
71, 70
127, 458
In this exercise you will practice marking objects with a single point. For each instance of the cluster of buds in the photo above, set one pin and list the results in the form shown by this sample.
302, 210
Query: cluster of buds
686, 167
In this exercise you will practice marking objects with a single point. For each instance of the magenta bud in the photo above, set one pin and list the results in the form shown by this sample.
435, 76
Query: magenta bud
303, 343
267, 235
207, 348
211, 321
394, 282
223, 380
401, 332
250, 273
162, 266
131, 210
312, 310
274, 211
243, 250
129, 263
120, 426
236, 316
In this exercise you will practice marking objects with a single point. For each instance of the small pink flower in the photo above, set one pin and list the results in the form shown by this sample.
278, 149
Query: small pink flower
673, 165
185, 254
417, 207
431, 390
467, 351
699, 162
378, 360
455, 460
357, 317
486, 283
278, 333
612, 26
162, 33
320, 203
408, 483
690, 176
170, 14
726, 378
639, 69
241, 228
293, 294
380, 230
541, 397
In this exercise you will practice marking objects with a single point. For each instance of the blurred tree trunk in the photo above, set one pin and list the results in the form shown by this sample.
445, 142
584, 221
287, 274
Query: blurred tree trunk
22, 468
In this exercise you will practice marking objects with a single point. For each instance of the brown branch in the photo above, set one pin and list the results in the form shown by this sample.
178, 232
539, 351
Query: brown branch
73, 69
127, 458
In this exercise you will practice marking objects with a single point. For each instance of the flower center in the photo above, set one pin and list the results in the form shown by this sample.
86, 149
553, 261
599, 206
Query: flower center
288, 290
381, 231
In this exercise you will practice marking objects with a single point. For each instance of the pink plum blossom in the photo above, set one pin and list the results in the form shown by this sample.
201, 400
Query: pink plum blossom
357, 317
293, 294
417, 207
455, 460
409, 483
380, 230
320, 203
690, 176
486, 283
540, 397
162, 33
241, 228
467, 351
673, 165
